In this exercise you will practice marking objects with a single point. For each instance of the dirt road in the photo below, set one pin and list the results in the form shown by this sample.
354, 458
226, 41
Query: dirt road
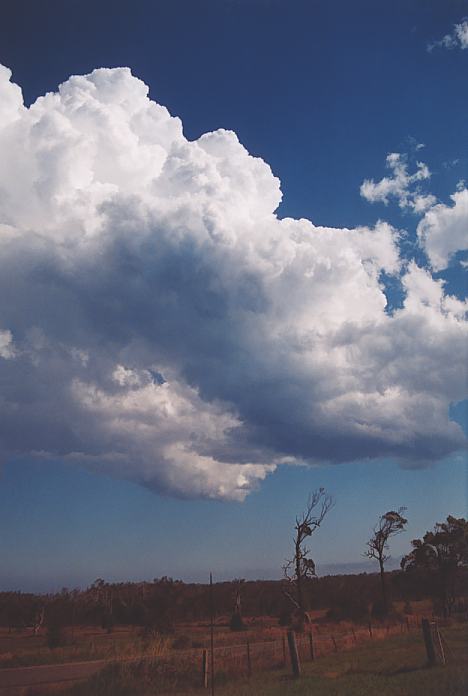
14, 679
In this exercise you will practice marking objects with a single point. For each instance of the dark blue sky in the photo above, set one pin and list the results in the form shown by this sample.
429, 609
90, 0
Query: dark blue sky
322, 91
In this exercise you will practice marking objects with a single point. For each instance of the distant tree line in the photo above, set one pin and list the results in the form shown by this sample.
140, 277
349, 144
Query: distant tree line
436, 567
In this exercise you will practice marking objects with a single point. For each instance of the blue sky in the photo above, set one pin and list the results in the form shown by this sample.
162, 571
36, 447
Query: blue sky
322, 92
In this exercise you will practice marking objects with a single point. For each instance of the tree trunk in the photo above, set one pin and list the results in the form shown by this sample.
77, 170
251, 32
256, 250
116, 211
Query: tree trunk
300, 599
384, 587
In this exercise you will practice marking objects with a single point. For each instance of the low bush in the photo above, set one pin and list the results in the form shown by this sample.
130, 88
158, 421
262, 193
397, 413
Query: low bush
236, 623
182, 642
349, 609
284, 619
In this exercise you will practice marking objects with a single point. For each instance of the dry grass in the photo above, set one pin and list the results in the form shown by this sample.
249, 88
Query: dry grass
393, 666
22, 648
84, 644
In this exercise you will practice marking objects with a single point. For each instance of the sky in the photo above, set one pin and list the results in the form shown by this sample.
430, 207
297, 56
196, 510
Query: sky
233, 251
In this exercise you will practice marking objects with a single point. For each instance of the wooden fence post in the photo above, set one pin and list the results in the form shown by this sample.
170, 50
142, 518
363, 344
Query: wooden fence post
311, 646
249, 663
440, 646
295, 664
205, 668
212, 684
283, 640
427, 633
370, 629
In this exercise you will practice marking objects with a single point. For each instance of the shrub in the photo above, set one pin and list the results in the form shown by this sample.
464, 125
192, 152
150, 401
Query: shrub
379, 611
107, 622
182, 642
236, 623
284, 619
351, 608
54, 634
407, 609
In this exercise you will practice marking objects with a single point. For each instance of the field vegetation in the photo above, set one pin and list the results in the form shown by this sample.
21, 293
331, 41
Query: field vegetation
355, 633
397, 665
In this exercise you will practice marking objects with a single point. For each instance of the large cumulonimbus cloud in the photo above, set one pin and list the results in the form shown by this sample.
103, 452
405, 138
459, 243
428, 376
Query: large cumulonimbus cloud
159, 322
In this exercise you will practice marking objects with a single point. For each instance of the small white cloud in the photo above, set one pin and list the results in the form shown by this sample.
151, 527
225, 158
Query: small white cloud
458, 38
450, 164
444, 230
401, 186
7, 349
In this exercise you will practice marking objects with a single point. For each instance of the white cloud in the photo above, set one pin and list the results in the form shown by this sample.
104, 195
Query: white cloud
458, 38
11, 105
444, 230
401, 185
169, 328
7, 349
171, 419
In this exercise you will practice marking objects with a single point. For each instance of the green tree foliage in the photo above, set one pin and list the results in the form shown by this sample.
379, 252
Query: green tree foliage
442, 552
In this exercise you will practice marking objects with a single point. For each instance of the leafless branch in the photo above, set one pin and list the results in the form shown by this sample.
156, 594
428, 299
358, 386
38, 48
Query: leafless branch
300, 567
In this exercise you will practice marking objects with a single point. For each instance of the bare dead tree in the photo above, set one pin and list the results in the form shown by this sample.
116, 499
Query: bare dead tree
237, 623
390, 524
38, 621
300, 568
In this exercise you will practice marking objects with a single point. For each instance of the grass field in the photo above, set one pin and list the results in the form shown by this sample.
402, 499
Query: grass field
393, 666
22, 648
25, 649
